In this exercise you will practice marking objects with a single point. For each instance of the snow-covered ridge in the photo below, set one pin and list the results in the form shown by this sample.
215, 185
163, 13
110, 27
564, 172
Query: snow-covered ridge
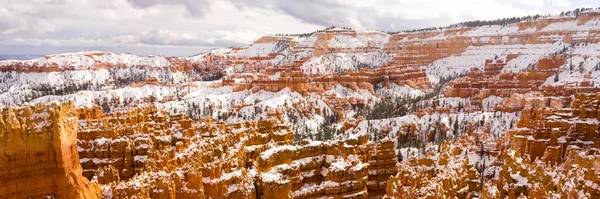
90, 59
574, 14
342, 39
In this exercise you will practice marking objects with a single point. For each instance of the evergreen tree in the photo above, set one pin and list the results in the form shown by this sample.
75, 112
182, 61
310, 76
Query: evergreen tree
399, 157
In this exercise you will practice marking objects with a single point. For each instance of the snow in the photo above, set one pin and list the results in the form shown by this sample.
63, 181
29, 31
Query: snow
343, 92
140, 158
454, 66
396, 91
493, 30
457, 65
408, 152
340, 165
520, 180
529, 55
585, 64
257, 50
102, 141
266, 155
490, 102
342, 62
499, 122
86, 98
273, 176
360, 41
87, 60
572, 25
452, 102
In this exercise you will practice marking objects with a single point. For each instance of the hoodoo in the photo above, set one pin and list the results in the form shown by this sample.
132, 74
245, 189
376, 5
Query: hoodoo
39, 158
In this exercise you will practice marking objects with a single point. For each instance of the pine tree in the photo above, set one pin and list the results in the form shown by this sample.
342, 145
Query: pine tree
297, 136
455, 128
399, 157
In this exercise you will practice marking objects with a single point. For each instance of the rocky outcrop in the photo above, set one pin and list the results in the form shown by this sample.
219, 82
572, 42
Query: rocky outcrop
39, 153
298, 82
550, 127
147, 153
520, 176
339, 169
335, 169
490, 82
382, 165
214, 163
123, 140
144, 152
552, 150
435, 176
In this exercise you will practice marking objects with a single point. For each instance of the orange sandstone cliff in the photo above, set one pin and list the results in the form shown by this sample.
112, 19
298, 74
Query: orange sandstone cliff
39, 153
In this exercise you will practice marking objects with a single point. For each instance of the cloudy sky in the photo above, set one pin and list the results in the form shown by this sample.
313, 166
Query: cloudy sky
187, 27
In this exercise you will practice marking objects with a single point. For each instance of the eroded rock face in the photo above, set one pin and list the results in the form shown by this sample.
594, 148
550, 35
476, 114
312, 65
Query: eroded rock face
335, 169
551, 151
382, 160
188, 159
257, 160
520, 176
125, 140
482, 84
172, 156
446, 175
550, 127
39, 153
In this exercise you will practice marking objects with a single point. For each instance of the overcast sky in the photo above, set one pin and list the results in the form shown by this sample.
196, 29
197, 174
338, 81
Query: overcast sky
187, 27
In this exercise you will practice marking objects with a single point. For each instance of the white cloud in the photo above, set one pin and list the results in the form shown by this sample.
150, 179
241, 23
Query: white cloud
10, 24
407, 14
561, 3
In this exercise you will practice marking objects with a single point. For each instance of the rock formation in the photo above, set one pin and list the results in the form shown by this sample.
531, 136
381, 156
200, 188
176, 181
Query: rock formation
215, 160
313, 170
446, 175
39, 153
